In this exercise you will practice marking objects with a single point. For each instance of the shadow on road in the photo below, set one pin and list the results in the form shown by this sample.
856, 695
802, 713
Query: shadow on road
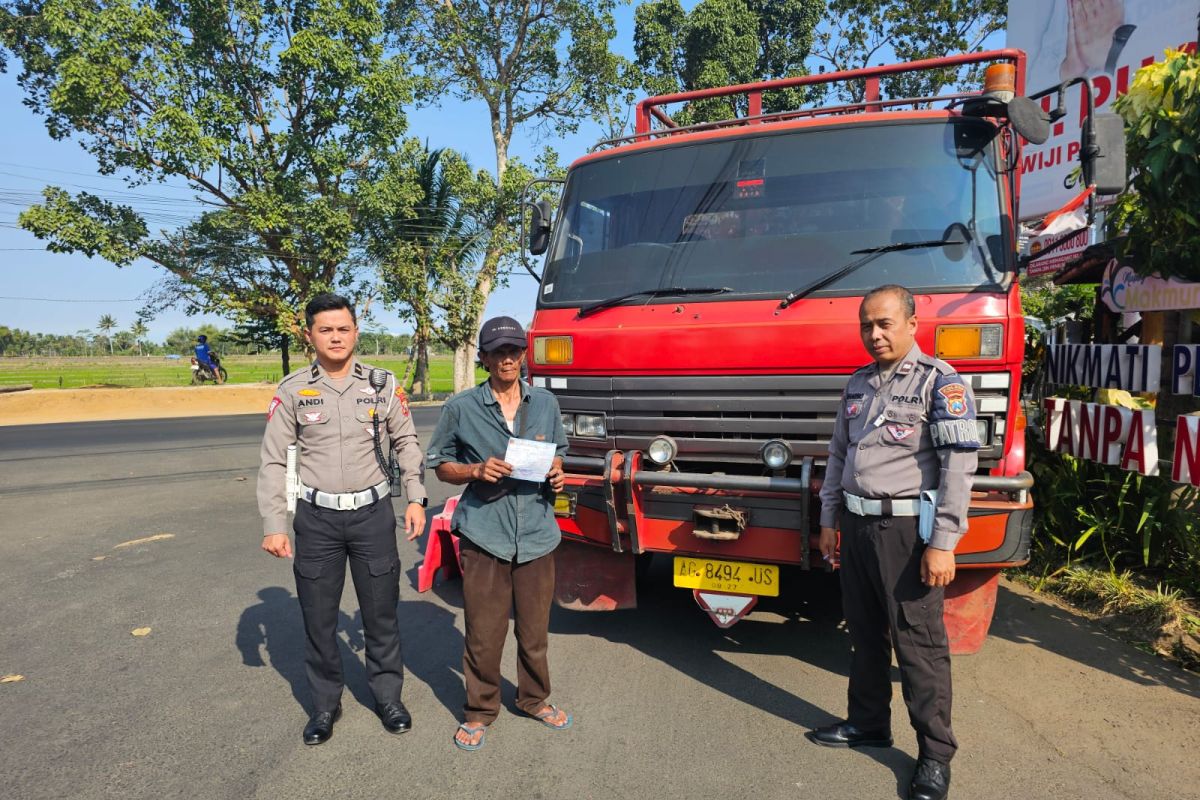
274, 625
669, 627
1026, 620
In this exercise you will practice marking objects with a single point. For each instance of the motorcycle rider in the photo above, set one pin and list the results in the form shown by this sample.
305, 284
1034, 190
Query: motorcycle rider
204, 357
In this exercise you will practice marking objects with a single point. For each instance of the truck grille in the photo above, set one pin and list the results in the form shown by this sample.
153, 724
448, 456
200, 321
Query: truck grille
728, 418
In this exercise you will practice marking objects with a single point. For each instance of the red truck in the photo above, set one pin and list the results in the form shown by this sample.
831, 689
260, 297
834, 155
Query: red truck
697, 320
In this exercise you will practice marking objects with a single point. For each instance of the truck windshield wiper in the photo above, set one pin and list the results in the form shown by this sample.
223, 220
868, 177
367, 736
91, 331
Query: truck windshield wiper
872, 253
665, 292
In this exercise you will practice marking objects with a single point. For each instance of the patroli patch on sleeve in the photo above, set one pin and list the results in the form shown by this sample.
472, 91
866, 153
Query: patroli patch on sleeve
956, 398
275, 403
955, 433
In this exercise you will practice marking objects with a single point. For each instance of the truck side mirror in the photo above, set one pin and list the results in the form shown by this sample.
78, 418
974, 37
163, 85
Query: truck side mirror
1104, 161
539, 227
1029, 120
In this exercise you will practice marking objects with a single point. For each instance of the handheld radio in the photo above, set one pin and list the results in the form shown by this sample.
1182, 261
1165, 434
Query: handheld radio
378, 379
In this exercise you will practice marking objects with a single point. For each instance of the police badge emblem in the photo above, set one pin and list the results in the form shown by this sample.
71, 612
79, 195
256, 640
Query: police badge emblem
956, 398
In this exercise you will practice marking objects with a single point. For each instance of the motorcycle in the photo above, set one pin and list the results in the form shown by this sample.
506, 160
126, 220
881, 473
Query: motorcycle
201, 373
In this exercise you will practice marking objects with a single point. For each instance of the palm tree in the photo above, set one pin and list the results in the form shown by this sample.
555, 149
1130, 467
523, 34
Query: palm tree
422, 249
139, 330
107, 323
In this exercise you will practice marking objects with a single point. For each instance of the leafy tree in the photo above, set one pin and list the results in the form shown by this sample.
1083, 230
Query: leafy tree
1161, 210
859, 33
106, 324
724, 42
539, 64
269, 111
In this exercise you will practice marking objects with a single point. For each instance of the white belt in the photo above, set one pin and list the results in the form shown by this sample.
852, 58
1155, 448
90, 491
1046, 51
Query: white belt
348, 501
868, 507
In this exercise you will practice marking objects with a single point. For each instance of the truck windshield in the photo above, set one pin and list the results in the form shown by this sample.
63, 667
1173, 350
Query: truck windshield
762, 215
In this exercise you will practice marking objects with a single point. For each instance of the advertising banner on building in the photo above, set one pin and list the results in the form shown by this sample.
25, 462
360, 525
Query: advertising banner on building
1105, 40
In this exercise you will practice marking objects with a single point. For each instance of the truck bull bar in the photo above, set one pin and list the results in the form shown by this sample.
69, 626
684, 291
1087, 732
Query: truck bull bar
622, 468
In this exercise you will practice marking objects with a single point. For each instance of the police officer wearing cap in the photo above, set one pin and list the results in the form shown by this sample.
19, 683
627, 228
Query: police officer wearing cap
507, 530
329, 412
906, 425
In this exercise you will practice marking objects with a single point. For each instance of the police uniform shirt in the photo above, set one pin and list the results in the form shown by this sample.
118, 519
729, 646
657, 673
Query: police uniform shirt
331, 424
901, 433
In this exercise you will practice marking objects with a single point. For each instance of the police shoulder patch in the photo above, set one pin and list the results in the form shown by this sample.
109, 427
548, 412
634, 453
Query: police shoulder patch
275, 403
952, 399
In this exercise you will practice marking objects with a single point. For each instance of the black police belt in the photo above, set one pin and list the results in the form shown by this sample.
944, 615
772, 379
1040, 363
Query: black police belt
882, 507
347, 501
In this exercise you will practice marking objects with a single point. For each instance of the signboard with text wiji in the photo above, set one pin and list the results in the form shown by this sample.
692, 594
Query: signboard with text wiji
1105, 40
1112, 435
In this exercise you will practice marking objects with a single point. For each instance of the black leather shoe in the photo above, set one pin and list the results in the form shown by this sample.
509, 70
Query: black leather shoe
843, 734
931, 781
395, 717
320, 726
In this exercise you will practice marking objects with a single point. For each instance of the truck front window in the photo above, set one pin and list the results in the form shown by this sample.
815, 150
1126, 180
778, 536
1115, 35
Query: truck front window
767, 213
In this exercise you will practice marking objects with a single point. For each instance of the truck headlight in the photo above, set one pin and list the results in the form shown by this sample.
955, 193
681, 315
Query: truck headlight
776, 454
662, 450
590, 425
569, 424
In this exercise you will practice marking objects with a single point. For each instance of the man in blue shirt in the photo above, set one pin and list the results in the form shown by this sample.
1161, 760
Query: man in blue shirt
507, 529
204, 357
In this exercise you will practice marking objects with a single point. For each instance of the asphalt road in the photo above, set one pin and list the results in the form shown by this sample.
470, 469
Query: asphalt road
209, 703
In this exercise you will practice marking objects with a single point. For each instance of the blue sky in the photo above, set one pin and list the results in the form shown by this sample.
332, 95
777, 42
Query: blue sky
62, 293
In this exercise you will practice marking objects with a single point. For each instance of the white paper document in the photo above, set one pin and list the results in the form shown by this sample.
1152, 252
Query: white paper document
530, 460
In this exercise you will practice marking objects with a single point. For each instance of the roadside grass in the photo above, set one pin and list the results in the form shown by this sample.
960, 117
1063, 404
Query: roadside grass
1157, 619
135, 371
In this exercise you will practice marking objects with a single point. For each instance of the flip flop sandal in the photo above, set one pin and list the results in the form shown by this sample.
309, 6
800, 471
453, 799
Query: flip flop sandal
549, 714
470, 732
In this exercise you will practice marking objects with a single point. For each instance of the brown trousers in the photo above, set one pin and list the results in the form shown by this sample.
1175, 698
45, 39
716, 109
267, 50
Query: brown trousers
491, 588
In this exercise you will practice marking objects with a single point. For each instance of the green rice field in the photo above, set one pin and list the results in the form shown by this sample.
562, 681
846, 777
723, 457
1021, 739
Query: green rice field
134, 371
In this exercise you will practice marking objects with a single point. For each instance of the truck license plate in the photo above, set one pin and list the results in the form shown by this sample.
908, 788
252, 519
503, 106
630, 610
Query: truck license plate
735, 577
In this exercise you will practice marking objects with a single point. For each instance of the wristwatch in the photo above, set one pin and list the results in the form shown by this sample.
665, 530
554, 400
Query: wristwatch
423, 502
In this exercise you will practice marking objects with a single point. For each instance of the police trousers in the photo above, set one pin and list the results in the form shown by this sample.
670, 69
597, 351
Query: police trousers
888, 607
491, 588
325, 539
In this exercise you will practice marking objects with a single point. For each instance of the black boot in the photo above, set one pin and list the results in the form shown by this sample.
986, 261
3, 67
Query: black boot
320, 726
931, 780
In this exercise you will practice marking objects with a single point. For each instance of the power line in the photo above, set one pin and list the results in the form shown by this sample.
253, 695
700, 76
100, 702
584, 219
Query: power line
64, 300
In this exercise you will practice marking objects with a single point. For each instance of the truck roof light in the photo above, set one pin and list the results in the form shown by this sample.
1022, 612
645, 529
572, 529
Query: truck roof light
1000, 81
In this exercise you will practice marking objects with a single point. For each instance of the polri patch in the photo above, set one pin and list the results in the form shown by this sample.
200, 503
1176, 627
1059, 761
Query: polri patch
308, 393
900, 432
275, 403
956, 398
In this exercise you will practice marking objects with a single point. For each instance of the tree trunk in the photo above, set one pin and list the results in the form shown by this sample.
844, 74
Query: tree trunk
464, 366
421, 385
284, 354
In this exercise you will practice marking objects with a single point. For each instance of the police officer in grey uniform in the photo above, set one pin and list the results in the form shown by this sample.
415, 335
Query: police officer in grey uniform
328, 410
906, 425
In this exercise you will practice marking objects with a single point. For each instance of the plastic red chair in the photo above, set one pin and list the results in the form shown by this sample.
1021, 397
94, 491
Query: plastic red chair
442, 543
